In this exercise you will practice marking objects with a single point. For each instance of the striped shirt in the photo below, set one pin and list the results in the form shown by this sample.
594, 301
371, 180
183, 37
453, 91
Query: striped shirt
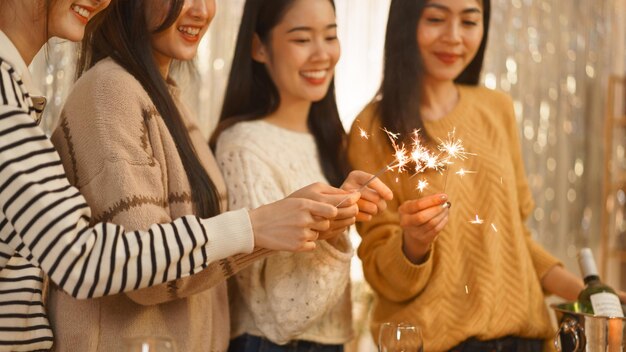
44, 225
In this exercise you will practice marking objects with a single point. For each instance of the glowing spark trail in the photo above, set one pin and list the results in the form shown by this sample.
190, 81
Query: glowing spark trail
464, 172
493, 226
477, 221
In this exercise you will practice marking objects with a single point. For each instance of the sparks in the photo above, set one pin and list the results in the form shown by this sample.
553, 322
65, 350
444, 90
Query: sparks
422, 185
391, 135
453, 148
363, 133
493, 226
462, 172
466, 290
422, 158
400, 154
477, 221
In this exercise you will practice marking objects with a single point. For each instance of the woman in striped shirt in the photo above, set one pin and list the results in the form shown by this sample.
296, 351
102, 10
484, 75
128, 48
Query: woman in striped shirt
45, 223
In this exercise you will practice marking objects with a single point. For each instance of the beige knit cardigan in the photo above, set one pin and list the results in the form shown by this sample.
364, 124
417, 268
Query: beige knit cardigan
117, 150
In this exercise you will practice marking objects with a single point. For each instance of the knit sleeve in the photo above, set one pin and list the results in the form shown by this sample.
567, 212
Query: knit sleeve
385, 266
287, 292
47, 221
108, 150
542, 260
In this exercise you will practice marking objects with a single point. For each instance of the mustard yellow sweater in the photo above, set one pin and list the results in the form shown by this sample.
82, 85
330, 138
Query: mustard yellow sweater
480, 280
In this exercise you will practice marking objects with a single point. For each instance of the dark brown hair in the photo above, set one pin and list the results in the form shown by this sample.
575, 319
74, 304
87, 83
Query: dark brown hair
251, 94
123, 34
401, 87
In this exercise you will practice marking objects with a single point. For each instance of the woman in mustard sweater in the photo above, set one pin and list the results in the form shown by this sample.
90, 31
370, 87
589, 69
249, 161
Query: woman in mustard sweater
471, 275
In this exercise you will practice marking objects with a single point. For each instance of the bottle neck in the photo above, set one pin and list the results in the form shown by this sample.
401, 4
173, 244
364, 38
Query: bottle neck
591, 278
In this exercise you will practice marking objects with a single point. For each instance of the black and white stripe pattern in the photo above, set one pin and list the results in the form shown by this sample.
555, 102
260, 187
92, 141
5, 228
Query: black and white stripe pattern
44, 223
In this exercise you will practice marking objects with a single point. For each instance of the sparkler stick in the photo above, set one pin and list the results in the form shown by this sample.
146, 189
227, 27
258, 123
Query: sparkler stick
377, 174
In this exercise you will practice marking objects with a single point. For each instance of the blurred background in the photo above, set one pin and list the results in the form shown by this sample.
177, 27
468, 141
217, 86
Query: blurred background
564, 64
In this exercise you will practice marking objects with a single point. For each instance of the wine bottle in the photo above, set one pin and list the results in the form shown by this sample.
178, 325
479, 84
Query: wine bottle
596, 298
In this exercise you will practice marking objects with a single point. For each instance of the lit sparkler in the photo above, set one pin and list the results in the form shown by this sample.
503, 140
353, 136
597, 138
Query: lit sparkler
401, 159
422, 158
453, 147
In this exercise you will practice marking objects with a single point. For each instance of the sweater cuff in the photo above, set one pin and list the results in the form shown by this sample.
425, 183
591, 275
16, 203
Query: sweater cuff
229, 233
413, 276
542, 260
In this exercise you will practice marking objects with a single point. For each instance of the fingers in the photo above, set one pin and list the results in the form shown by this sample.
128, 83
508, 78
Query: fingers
367, 207
423, 217
347, 212
416, 205
320, 209
341, 224
370, 204
317, 191
320, 224
381, 189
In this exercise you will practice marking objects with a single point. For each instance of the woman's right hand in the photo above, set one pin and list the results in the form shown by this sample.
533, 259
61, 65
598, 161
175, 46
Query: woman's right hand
290, 224
422, 219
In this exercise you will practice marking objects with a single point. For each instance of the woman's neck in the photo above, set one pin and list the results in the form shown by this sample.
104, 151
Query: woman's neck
438, 99
292, 116
26, 32
163, 62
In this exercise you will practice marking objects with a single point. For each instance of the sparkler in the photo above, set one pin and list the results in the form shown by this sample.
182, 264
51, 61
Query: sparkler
401, 159
423, 159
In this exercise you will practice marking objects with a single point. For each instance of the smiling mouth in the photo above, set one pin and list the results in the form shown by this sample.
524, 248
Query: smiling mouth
318, 74
81, 12
189, 33
315, 76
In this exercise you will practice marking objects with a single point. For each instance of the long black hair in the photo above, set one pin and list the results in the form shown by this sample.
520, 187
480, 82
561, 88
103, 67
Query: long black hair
123, 34
251, 94
403, 71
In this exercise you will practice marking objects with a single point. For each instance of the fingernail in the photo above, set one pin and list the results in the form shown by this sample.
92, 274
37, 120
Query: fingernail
444, 197
446, 205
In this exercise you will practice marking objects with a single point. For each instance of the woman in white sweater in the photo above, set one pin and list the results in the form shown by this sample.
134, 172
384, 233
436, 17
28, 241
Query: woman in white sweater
280, 129
45, 223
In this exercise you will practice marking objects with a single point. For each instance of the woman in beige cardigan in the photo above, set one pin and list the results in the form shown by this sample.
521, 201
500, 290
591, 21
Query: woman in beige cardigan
131, 147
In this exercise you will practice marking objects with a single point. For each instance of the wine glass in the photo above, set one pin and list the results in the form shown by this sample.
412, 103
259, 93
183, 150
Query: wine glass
400, 337
149, 344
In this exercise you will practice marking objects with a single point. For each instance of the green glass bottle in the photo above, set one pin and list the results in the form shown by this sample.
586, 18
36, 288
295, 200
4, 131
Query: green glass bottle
596, 298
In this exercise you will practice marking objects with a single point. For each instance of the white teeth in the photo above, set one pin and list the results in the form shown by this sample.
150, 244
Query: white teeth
193, 31
315, 74
81, 11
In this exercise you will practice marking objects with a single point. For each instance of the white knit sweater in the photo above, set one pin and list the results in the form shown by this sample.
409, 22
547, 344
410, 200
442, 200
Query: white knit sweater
303, 296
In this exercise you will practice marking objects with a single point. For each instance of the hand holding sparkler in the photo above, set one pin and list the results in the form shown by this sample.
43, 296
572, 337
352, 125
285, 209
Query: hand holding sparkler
346, 214
422, 219
373, 193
